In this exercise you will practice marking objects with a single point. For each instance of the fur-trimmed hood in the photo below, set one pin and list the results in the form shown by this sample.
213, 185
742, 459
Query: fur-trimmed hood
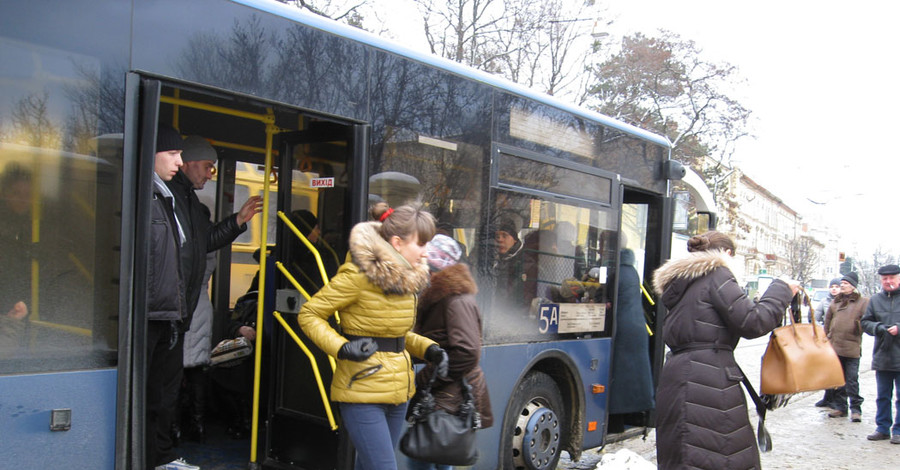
455, 280
688, 269
382, 264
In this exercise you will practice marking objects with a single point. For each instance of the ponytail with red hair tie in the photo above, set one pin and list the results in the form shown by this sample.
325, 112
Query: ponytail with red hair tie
386, 214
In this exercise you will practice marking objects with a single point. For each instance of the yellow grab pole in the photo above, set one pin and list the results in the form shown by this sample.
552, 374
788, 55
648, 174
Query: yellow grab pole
296, 284
264, 242
315, 368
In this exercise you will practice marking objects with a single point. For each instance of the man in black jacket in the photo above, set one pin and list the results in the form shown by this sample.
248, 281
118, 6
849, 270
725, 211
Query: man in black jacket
882, 320
201, 237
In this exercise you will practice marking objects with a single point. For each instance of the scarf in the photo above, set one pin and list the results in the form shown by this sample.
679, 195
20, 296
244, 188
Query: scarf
162, 188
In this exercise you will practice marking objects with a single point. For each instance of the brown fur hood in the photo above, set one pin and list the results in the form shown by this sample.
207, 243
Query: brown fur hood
693, 266
382, 264
455, 280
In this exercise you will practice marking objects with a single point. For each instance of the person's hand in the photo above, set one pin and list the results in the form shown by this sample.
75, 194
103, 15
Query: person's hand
438, 359
247, 332
794, 285
358, 349
250, 208
893, 330
19, 311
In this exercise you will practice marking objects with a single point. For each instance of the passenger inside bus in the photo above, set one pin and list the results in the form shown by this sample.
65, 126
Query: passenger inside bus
203, 237
508, 266
15, 257
631, 379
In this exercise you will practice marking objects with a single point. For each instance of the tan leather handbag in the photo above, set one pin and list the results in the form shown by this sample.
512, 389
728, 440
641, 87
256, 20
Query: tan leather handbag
799, 359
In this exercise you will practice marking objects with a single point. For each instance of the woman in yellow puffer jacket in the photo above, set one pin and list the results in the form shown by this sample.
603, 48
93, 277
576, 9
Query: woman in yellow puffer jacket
375, 294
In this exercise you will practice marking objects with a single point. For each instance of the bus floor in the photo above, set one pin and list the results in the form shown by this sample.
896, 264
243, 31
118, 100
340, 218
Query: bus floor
218, 451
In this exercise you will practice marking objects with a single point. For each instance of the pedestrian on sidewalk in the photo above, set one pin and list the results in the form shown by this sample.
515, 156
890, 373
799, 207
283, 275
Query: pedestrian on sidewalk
882, 320
834, 288
842, 327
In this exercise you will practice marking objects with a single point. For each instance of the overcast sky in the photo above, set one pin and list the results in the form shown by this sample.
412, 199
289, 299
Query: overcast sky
822, 85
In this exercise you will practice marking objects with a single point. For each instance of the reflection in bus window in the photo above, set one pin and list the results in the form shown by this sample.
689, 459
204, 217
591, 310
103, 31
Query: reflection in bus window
55, 248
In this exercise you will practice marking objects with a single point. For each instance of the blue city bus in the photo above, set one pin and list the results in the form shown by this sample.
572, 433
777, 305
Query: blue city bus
314, 116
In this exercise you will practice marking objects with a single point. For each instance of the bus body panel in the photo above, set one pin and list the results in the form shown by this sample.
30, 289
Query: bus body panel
26, 404
505, 366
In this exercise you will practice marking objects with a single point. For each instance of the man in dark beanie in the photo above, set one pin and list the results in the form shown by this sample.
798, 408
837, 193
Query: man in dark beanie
834, 288
882, 320
842, 330
852, 278
166, 307
508, 267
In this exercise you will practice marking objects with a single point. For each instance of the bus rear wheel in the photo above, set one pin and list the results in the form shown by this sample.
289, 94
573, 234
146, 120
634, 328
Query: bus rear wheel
533, 427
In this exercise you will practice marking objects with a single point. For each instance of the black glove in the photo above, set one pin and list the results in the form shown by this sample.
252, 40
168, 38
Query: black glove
437, 357
358, 349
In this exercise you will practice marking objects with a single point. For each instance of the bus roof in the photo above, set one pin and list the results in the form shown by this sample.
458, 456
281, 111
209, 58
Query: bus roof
356, 34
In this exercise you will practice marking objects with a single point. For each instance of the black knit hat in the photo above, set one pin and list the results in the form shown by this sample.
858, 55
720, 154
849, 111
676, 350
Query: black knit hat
852, 278
167, 138
508, 226
835, 282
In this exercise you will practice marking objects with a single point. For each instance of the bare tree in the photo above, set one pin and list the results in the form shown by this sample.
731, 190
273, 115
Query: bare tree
663, 83
867, 268
350, 12
803, 256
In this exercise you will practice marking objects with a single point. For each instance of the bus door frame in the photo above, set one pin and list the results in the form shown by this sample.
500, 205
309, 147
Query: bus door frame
139, 146
659, 229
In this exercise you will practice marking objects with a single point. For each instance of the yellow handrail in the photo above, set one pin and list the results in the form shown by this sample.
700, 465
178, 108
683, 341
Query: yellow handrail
312, 249
315, 368
649, 299
291, 278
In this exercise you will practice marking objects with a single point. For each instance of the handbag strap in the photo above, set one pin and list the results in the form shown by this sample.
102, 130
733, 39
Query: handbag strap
762, 434
800, 298
425, 404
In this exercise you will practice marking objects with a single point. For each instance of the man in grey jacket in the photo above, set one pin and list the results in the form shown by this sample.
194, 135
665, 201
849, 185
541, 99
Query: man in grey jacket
882, 320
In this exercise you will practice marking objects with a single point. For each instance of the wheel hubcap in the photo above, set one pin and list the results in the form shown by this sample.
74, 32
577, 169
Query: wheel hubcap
536, 440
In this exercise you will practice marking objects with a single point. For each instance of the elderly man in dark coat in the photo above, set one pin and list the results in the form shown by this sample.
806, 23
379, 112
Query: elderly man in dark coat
703, 420
882, 320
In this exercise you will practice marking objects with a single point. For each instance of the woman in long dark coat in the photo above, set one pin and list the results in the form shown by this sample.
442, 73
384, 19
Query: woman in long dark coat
703, 420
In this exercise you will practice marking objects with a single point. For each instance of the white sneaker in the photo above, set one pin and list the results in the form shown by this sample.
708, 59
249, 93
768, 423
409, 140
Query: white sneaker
178, 464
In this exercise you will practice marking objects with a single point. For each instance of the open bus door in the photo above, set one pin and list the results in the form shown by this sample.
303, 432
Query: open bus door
319, 168
646, 226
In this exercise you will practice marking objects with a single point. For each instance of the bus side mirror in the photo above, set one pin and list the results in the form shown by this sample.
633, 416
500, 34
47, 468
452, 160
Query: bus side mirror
673, 170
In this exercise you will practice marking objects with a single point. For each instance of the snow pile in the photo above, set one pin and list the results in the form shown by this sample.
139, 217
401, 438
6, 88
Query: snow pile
625, 460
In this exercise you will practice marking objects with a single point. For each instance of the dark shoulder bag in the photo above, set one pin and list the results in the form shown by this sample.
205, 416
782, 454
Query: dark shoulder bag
439, 437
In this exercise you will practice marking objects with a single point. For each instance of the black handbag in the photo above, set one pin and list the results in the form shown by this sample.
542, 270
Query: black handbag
439, 437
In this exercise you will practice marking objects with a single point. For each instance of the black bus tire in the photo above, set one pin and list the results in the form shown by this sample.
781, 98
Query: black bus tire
533, 427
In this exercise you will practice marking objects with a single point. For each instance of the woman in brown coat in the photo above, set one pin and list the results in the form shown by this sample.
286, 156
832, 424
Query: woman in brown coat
449, 315
703, 420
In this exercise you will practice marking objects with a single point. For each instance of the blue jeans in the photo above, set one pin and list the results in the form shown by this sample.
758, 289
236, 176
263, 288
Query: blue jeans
851, 386
419, 465
888, 383
375, 431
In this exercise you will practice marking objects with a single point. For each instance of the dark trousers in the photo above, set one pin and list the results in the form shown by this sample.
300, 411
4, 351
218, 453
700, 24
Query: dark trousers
888, 383
850, 390
164, 368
